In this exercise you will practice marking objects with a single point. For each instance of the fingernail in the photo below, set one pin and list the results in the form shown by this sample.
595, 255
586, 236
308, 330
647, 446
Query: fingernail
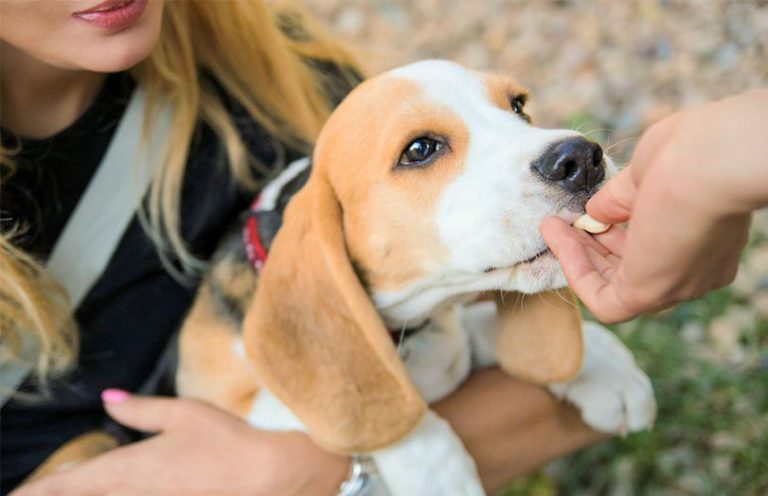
114, 396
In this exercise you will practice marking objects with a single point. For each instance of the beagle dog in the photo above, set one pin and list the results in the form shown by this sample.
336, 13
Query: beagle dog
427, 189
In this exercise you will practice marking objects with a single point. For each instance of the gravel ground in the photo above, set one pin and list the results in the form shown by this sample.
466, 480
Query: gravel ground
614, 66
611, 68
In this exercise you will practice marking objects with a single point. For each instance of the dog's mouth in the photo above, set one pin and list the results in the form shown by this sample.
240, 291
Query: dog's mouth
541, 254
568, 214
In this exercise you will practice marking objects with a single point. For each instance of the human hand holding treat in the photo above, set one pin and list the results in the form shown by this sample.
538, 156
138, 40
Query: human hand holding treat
694, 179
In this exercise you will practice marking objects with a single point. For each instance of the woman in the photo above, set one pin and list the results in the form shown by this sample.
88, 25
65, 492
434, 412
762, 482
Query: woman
247, 89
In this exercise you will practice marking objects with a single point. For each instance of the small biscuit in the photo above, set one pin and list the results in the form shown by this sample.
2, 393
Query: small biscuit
587, 223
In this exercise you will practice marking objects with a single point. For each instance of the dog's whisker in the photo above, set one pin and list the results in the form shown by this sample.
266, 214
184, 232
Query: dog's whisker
402, 337
519, 303
579, 127
560, 295
595, 131
501, 296
618, 143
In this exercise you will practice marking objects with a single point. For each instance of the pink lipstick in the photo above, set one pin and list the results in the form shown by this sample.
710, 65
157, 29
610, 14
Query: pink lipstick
113, 13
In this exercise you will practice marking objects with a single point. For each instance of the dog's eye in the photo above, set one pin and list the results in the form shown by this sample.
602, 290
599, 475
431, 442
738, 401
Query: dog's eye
517, 103
419, 152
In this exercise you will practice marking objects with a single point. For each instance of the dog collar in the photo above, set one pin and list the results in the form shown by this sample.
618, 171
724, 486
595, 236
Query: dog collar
265, 215
257, 255
254, 246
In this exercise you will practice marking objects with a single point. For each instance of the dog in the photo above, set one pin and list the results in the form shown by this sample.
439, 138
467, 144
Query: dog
426, 189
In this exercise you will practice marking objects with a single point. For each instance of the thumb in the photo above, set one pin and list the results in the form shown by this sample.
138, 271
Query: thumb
145, 413
613, 203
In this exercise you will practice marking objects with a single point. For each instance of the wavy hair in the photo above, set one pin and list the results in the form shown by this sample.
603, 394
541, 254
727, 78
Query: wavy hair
264, 58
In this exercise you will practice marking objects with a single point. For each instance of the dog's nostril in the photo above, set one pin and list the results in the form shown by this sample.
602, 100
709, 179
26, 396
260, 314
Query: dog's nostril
562, 169
575, 164
570, 168
597, 156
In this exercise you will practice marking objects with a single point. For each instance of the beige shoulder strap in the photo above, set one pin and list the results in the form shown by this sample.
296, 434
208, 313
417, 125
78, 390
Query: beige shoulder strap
93, 231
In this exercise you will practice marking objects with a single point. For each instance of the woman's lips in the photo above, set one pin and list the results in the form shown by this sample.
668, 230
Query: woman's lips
113, 13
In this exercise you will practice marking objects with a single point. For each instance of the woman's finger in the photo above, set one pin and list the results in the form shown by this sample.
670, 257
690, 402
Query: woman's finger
152, 414
569, 247
613, 239
90, 478
588, 281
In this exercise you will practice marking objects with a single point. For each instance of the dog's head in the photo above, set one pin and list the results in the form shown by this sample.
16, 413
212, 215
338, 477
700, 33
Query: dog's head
429, 183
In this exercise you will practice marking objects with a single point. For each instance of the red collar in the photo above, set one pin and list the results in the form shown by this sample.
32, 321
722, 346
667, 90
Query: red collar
254, 247
257, 255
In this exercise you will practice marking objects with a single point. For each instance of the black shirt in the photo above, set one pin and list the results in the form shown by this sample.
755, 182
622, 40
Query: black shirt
131, 312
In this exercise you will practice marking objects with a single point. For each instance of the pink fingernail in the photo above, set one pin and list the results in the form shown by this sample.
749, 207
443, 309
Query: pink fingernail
114, 396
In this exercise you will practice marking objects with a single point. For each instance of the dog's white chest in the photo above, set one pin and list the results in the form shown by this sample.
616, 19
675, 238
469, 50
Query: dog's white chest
438, 356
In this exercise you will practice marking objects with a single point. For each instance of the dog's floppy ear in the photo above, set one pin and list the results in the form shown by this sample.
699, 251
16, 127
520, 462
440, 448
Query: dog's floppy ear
315, 339
540, 336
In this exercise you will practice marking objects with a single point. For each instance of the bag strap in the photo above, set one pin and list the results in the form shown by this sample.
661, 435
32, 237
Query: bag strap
101, 217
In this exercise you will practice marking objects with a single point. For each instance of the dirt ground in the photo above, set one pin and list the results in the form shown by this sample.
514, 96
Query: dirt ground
610, 69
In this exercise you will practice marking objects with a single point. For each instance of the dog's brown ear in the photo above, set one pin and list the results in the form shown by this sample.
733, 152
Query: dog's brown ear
315, 339
540, 336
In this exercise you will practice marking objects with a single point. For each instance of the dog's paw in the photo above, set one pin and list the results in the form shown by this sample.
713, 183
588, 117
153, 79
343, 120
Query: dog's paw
612, 392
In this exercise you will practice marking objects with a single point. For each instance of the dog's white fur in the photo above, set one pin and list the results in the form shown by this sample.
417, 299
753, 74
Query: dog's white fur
492, 191
489, 218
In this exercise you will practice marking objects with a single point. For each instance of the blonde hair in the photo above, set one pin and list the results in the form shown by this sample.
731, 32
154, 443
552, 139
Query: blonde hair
262, 57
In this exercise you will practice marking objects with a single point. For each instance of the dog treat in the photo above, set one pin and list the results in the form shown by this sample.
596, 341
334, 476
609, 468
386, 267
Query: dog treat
587, 223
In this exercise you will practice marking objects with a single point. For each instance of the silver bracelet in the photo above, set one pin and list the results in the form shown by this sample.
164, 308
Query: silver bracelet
364, 479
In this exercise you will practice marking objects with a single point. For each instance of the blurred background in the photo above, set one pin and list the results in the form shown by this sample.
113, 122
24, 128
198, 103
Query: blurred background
610, 69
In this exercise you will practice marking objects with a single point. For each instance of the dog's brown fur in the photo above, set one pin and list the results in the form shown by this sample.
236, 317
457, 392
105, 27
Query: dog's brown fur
312, 334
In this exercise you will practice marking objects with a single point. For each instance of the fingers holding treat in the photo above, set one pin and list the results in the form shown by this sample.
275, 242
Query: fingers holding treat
592, 226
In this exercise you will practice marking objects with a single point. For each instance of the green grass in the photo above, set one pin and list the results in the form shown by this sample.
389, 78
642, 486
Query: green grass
711, 432
711, 435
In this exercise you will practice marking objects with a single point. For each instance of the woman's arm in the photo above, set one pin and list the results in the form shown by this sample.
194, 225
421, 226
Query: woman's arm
508, 426
199, 449
511, 427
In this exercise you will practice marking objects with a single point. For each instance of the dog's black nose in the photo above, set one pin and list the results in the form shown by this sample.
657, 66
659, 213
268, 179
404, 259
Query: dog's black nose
575, 164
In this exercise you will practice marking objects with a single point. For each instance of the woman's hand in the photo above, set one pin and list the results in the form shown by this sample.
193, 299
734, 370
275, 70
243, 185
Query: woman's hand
203, 450
693, 181
199, 450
